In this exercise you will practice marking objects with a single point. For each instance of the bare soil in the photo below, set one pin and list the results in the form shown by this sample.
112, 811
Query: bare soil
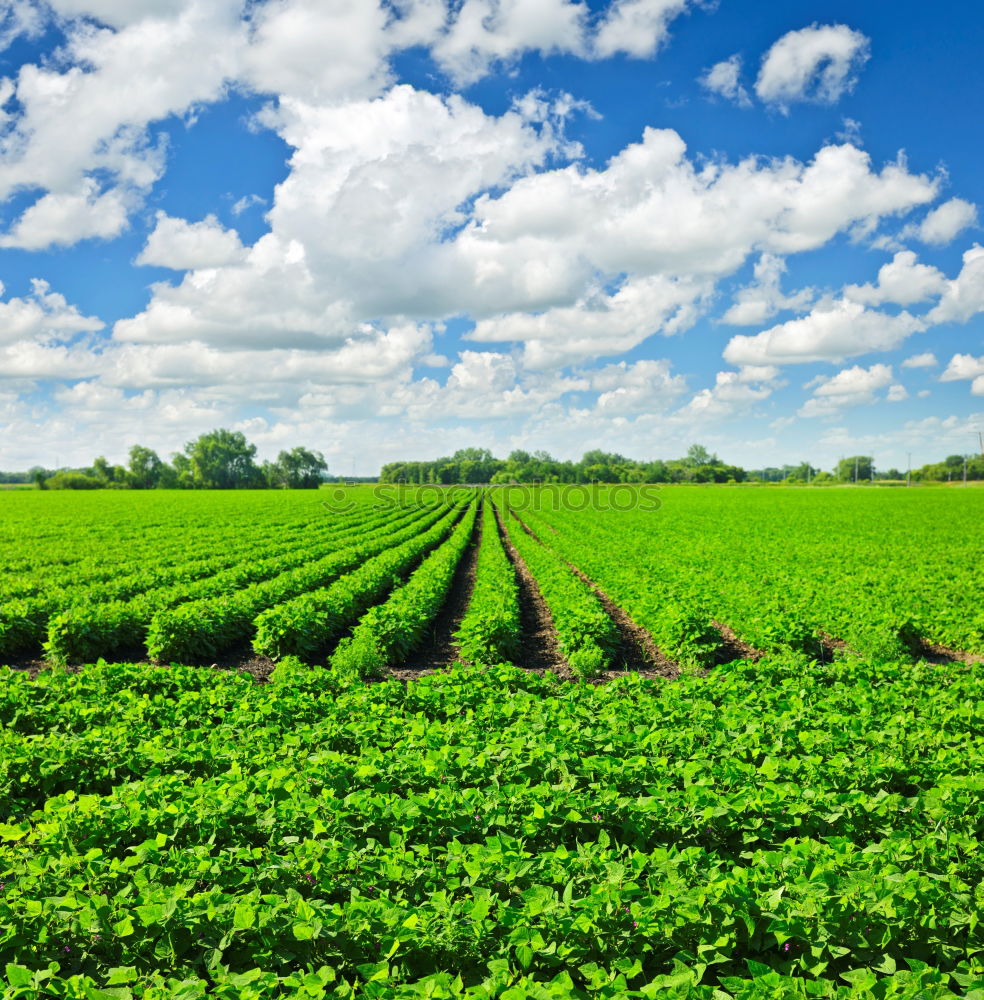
638, 653
935, 653
440, 650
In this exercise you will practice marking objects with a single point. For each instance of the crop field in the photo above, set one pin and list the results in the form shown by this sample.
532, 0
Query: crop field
514, 742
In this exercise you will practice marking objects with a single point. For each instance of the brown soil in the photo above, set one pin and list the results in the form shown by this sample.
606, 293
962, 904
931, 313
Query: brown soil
832, 646
539, 649
734, 647
30, 667
638, 652
242, 659
440, 649
933, 652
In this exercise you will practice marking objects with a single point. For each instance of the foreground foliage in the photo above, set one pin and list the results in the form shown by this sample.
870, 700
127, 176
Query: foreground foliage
783, 829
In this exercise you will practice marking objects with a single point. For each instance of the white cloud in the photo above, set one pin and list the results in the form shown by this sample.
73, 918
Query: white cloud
42, 317
819, 63
963, 296
119, 13
963, 366
724, 78
850, 387
762, 299
599, 324
66, 218
635, 27
834, 330
943, 223
925, 360
732, 393
183, 245
315, 51
640, 387
897, 393
483, 32
902, 281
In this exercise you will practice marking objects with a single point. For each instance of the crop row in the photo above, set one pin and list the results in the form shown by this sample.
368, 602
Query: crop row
84, 622
585, 632
204, 628
787, 570
82, 634
490, 629
394, 629
680, 626
308, 625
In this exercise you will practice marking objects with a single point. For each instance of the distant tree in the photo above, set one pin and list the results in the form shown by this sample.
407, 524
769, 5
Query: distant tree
223, 460
846, 468
38, 478
298, 469
697, 455
145, 468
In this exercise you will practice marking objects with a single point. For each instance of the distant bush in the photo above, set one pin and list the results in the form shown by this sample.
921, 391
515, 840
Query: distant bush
73, 481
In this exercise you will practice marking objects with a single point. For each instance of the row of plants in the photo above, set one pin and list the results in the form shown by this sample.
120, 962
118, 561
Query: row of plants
585, 632
85, 632
200, 629
490, 629
680, 625
789, 828
391, 631
24, 622
788, 570
310, 624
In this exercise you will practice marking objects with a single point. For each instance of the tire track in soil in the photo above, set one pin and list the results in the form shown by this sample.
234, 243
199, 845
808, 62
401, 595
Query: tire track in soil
639, 653
539, 649
440, 650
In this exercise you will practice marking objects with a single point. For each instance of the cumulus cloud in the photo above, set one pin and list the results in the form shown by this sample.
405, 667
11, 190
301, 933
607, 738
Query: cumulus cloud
944, 223
904, 281
732, 393
724, 79
635, 27
639, 387
850, 387
68, 217
833, 330
963, 366
599, 324
963, 296
42, 316
819, 63
759, 301
183, 245
924, 360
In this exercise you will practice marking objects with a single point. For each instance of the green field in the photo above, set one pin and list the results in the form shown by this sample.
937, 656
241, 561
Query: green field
508, 743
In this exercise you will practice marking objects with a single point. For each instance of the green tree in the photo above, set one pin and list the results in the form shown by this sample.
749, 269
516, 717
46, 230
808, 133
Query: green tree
145, 468
297, 469
222, 460
698, 455
862, 464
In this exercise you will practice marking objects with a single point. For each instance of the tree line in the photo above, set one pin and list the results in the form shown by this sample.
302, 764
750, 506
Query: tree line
219, 460
479, 465
224, 459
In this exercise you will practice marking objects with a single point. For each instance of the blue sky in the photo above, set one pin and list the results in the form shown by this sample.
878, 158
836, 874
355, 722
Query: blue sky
391, 228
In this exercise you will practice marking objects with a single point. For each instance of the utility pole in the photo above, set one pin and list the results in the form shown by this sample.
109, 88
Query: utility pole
908, 474
855, 470
965, 470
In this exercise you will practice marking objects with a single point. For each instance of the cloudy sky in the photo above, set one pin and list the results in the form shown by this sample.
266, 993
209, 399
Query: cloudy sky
392, 228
